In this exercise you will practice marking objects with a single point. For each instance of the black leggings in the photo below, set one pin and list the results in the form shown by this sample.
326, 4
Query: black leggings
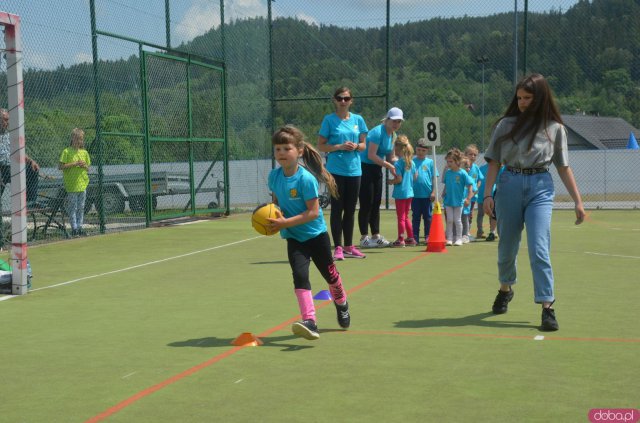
317, 249
343, 209
370, 199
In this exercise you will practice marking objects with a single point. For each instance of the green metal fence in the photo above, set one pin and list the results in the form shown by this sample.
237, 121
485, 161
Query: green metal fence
184, 106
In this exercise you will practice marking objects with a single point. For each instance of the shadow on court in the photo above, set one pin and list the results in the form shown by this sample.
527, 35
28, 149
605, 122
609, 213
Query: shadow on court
471, 320
268, 341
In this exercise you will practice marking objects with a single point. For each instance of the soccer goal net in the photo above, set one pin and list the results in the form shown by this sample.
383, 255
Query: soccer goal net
12, 147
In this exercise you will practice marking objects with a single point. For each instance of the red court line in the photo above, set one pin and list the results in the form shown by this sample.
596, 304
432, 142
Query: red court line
161, 385
134, 398
490, 336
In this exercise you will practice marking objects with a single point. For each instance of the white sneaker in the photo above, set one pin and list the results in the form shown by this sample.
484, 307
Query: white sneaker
449, 242
366, 242
379, 242
465, 239
458, 242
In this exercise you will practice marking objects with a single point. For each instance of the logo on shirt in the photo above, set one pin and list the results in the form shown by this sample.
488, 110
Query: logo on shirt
424, 167
293, 193
355, 128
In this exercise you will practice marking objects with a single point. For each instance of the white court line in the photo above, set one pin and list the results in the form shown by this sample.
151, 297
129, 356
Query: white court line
611, 255
8, 297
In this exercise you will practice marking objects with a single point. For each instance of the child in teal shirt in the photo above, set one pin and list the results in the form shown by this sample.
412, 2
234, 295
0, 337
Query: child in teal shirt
403, 190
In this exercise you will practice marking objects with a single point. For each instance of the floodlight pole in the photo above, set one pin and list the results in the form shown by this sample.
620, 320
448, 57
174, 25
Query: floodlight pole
15, 94
482, 60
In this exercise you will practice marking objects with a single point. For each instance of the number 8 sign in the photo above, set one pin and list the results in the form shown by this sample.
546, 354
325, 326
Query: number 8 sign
432, 131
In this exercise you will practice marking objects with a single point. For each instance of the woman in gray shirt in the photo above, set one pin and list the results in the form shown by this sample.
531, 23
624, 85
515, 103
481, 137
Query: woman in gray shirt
526, 140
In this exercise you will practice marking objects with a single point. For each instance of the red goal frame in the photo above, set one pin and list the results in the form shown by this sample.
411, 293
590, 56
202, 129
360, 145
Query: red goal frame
15, 96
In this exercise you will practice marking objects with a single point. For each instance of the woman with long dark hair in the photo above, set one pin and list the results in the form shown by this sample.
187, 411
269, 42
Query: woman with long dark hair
526, 140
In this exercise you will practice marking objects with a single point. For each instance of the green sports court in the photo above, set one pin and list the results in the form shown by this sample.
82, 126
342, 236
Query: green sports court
128, 333
171, 308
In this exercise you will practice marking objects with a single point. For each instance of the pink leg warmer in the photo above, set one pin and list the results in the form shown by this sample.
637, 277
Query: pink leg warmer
305, 302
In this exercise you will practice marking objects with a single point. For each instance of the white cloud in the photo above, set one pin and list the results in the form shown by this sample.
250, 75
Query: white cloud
307, 18
40, 61
82, 57
240, 9
198, 19
204, 15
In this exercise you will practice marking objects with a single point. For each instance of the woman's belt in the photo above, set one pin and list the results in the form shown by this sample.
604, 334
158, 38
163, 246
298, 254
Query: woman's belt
529, 171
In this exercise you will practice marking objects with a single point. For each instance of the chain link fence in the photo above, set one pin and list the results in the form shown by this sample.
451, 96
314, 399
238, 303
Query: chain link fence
208, 106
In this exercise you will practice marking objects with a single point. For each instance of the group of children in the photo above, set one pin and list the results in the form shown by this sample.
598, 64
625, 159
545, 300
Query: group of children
413, 182
463, 180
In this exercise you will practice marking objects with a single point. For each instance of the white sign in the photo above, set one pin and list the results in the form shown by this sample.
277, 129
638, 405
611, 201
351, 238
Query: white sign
432, 131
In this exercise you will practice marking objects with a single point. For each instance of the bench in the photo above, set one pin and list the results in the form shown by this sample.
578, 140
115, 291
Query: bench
45, 213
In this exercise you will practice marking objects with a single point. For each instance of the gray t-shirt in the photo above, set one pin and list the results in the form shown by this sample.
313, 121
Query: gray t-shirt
549, 145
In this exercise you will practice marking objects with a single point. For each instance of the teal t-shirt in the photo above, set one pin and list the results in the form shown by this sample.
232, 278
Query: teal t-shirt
455, 184
423, 186
477, 177
467, 209
292, 193
404, 189
338, 131
379, 136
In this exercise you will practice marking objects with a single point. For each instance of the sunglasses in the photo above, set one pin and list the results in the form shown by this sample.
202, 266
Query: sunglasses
339, 99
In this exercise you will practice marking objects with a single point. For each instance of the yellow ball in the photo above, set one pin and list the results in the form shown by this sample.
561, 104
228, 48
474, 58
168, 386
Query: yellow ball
261, 214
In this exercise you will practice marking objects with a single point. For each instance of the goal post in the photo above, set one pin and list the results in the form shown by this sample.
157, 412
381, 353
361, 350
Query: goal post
15, 102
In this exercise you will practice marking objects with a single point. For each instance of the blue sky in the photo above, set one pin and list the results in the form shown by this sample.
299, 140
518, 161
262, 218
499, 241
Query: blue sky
58, 32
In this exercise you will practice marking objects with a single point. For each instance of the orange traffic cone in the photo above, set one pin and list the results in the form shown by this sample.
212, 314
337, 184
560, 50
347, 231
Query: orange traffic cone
247, 339
437, 240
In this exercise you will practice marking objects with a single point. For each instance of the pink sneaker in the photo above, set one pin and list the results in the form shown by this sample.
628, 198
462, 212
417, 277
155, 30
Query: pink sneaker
353, 252
398, 243
338, 254
410, 242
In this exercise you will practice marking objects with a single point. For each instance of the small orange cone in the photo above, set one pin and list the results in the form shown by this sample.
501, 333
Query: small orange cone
437, 240
247, 339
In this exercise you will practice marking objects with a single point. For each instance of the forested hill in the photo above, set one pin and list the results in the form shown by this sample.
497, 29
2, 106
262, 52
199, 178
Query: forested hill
590, 53
577, 46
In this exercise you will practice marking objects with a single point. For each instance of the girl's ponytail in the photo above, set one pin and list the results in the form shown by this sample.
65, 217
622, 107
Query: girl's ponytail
313, 161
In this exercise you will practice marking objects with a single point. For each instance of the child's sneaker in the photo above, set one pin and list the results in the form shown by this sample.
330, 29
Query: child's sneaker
344, 318
491, 237
480, 234
458, 242
338, 254
410, 242
379, 241
366, 242
449, 243
465, 239
353, 252
306, 329
398, 243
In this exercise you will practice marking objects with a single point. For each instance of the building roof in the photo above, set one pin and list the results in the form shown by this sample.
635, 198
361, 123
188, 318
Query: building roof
595, 132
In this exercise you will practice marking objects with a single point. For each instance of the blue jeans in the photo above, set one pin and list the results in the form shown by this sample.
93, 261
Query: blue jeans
421, 210
525, 201
75, 208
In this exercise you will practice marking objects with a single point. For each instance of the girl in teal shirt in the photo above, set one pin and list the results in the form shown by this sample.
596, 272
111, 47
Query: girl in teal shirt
301, 223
